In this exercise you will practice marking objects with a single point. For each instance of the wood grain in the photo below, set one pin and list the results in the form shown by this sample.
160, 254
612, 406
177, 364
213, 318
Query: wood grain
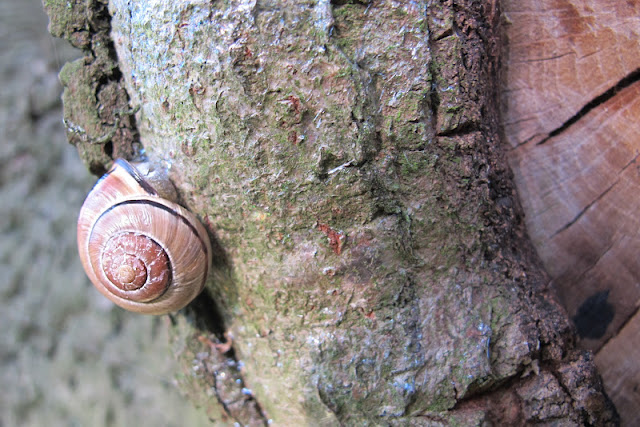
570, 108
618, 362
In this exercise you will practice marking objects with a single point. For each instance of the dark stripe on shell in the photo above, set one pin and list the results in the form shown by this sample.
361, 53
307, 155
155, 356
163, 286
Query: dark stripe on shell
172, 212
135, 174
163, 207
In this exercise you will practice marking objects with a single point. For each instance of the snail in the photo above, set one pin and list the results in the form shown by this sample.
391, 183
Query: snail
145, 253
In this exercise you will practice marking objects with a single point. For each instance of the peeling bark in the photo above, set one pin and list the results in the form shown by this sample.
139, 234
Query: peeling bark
97, 115
371, 263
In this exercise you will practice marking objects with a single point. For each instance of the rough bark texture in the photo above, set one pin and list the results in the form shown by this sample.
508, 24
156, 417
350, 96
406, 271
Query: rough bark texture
371, 266
97, 115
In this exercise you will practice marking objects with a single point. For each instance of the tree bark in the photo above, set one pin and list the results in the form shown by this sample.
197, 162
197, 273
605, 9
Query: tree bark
371, 263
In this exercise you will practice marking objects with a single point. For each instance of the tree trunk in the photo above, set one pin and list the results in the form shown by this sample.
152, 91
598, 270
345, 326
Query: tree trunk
371, 265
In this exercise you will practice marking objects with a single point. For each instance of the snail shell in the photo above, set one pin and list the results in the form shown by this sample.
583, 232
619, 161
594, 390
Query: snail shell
143, 252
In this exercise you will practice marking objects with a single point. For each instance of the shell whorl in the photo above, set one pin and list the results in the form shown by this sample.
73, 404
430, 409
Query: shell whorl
145, 253
136, 266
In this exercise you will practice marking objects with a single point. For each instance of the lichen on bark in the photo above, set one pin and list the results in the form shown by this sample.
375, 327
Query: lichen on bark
97, 115
372, 265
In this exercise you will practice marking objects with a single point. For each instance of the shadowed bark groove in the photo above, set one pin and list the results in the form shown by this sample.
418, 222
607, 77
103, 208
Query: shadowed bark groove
346, 157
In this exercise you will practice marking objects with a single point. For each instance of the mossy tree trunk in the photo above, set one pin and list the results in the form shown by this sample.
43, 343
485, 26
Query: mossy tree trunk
371, 263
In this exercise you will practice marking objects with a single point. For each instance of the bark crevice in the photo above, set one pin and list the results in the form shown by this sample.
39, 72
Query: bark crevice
348, 158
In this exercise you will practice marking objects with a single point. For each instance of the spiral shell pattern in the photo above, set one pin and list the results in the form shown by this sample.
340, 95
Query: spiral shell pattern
144, 253
136, 266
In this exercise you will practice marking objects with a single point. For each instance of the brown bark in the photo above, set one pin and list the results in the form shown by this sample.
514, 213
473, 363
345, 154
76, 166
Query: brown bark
371, 265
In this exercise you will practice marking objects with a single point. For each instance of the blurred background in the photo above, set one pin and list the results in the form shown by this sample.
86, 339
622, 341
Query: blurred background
68, 357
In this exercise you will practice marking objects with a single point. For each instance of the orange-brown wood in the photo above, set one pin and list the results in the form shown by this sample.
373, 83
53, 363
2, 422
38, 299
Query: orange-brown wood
618, 363
560, 55
581, 194
571, 121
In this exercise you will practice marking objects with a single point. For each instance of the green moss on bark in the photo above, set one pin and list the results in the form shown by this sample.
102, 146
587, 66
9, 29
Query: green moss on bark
344, 157
97, 115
